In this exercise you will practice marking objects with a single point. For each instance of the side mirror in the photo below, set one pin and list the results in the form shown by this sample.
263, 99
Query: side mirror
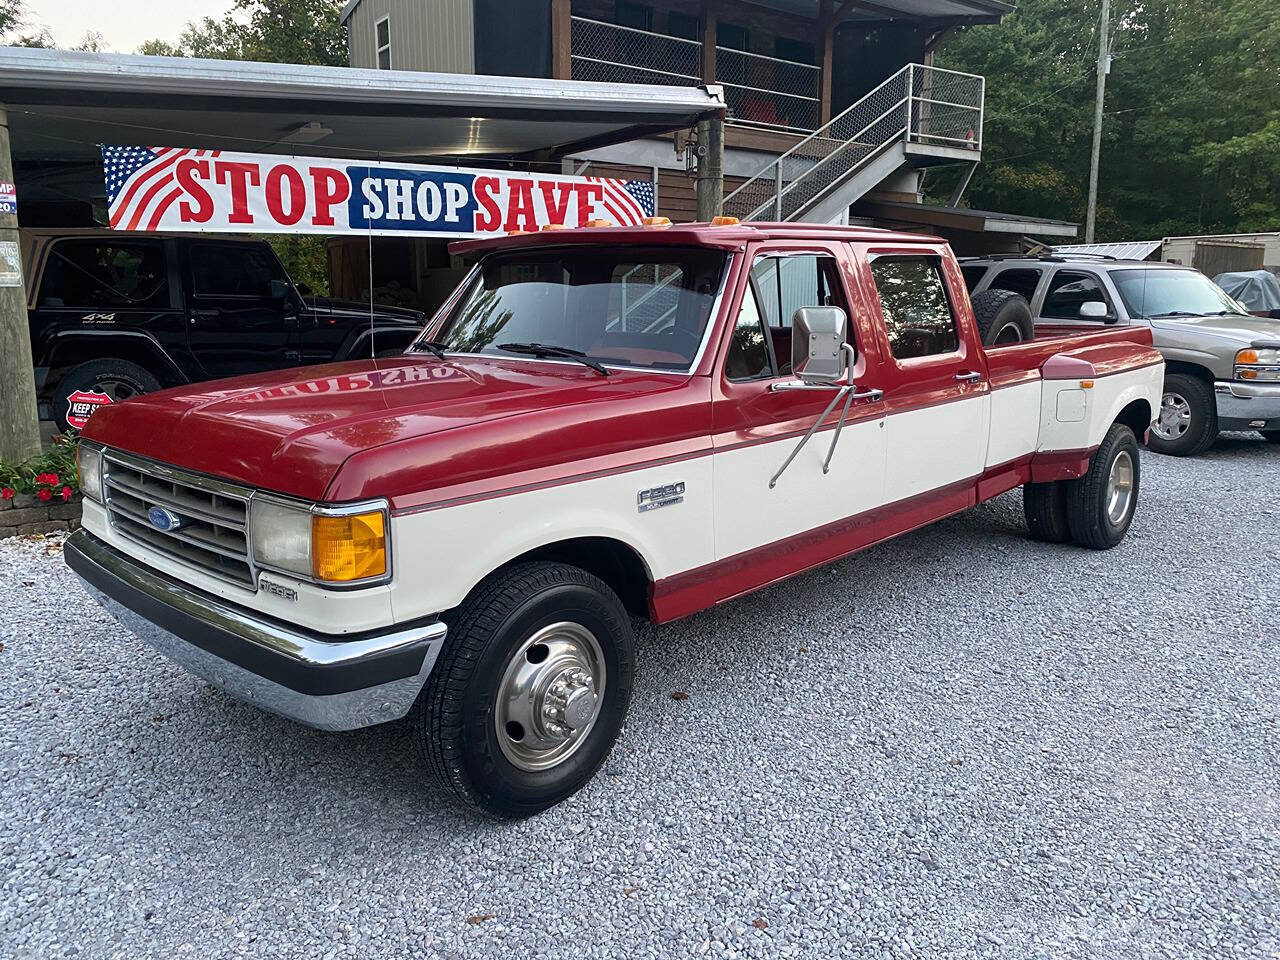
1093, 310
278, 289
817, 344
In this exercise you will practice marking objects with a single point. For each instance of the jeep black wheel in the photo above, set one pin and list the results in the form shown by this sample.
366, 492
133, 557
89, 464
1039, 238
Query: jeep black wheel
95, 384
530, 690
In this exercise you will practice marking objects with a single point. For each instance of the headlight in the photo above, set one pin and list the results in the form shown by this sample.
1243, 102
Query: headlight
89, 467
328, 545
1258, 364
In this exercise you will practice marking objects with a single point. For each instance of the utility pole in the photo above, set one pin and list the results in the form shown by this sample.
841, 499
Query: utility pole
19, 425
1104, 65
710, 171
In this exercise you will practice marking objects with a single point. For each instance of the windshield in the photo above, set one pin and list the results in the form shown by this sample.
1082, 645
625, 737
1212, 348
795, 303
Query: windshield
624, 306
1162, 292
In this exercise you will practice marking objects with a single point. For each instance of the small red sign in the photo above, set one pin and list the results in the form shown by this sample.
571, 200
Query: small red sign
81, 404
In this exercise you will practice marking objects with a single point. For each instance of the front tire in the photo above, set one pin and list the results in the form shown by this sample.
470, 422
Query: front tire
1188, 420
1101, 504
530, 691
84, 388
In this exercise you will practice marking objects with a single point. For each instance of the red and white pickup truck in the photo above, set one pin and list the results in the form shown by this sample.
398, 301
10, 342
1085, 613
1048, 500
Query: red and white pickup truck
600, 424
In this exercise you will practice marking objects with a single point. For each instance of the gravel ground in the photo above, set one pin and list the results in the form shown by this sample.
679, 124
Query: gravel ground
959, 744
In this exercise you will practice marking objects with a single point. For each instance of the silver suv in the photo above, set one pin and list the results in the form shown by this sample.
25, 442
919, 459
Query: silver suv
1222, 365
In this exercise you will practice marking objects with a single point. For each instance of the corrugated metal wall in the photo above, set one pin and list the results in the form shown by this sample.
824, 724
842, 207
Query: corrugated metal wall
433, 35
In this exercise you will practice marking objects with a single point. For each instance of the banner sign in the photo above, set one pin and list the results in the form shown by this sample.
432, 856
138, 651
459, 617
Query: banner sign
203, 191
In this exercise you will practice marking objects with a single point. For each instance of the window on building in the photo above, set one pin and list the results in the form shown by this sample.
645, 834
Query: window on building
917, 312
684, 25
732, 37
798, 51
102, 275
636, 15
382, 36
1067, 292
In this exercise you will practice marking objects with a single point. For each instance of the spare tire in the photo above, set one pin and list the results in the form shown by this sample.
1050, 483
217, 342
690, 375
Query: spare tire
1004, 317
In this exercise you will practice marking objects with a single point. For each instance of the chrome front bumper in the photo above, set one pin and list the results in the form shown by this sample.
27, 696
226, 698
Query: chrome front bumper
322, 681
1247, 406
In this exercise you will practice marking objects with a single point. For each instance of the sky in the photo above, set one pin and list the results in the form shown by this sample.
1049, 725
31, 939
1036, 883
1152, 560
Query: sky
124, 24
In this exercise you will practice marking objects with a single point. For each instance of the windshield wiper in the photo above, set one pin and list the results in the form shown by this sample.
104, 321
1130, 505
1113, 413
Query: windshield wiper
547, 350
434, 347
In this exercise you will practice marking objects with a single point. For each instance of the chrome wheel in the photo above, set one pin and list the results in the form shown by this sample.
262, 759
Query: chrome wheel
550, 696
1120, 488
1175, 417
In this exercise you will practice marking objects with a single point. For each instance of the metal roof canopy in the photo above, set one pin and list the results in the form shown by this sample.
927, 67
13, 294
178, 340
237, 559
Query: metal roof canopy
1127, 250
62, 104
964, 218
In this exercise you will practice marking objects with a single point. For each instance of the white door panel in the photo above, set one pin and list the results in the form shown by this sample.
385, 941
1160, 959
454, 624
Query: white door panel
936, 446
1015, 422
749, 514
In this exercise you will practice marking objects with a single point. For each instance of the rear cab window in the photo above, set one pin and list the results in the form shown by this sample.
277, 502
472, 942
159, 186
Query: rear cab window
917, 311
106, 274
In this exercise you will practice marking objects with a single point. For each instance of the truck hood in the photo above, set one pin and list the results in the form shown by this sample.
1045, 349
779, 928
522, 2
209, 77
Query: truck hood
1239, 328
292, 431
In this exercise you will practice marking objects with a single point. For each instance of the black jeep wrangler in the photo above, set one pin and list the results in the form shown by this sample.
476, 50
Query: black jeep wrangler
115, 315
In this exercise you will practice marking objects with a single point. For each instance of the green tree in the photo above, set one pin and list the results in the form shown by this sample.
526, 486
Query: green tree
1191, 138
284, 31
13, 18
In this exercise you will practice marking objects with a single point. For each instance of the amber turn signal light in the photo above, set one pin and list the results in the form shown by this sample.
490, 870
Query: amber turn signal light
349, 548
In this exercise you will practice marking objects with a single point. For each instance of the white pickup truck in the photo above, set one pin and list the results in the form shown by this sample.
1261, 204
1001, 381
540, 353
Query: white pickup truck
600, 424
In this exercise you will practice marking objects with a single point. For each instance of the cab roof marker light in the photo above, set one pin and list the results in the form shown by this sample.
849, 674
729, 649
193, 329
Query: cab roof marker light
724, 221
656, 221
517, 233
553, 226
598, 223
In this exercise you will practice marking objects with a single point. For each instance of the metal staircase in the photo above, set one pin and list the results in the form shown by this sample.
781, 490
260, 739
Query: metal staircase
920, 114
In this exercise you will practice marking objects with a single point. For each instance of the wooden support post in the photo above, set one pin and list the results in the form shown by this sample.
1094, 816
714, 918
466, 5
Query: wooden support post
710, 175
19, 423
561, 40
827, 32
708, 42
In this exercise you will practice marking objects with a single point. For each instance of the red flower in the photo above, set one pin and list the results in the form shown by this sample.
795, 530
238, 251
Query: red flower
66, 493
45, 495
50, 478
7, 493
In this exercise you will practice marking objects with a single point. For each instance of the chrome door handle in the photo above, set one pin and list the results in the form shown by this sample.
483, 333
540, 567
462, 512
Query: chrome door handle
969, 376
873, 394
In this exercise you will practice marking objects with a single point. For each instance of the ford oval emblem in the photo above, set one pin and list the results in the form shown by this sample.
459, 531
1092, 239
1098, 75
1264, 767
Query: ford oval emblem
163, 519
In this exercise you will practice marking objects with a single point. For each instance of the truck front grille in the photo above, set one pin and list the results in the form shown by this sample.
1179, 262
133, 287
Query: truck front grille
212, 529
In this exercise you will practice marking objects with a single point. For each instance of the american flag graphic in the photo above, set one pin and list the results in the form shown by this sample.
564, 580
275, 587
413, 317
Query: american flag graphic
628, 201
140, 183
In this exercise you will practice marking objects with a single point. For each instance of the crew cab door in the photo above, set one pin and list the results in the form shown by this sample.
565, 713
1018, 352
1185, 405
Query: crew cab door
937, 397
242, 310
756, 427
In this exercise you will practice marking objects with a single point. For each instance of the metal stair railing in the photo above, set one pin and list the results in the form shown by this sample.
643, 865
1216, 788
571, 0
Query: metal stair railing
918, 104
